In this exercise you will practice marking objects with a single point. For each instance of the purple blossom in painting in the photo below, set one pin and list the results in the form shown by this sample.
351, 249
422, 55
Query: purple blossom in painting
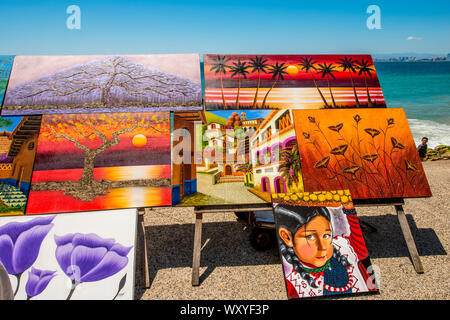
38, 280
20, 243
89, 258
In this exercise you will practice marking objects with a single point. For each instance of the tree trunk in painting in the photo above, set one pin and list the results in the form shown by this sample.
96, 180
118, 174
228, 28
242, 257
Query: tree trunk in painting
369, 101
318, 89
354, 90
331, 93
257, 89
267, 94
238, 92
223, 95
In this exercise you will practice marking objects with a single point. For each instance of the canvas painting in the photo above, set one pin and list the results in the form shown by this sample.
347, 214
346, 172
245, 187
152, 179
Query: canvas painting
291, 82
101, 161
89, 84
72, 256
321, 245
211, 158
6, 63
234, 157
18, 141
371, 152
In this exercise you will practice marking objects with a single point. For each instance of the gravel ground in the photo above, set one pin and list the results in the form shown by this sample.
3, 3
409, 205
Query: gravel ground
232, 269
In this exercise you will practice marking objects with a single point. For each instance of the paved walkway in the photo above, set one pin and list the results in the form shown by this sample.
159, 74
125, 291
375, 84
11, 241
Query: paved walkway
229, 193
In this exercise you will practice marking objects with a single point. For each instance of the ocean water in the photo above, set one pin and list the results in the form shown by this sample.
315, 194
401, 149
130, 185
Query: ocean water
423, 90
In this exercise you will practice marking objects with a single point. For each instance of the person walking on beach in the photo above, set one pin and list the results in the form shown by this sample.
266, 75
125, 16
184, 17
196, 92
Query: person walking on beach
422, 148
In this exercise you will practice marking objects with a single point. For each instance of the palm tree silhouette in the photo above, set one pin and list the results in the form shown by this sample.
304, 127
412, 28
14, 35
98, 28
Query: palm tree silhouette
365, 68
219, 66
350, 65
259, 65
239, 69
307, 64
277, 72
327, 71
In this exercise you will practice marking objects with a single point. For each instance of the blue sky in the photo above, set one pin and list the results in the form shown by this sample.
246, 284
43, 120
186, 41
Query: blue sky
250, 114
15, 120
142, 27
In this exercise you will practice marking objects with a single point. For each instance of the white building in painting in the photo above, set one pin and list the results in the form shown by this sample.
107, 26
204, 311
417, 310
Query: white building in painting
274, 134
220, 149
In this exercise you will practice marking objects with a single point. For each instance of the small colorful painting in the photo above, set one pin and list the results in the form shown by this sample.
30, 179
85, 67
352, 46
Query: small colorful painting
72, 256
321, 245
101, 161
291, 82
6, 63
18, 141
219, 168
371, 152
89, 84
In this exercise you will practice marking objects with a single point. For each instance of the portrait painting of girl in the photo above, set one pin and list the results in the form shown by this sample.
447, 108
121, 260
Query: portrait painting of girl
323, 251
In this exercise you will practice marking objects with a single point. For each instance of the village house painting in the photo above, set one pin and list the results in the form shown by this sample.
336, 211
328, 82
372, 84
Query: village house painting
17, 152
233, 161
275, 156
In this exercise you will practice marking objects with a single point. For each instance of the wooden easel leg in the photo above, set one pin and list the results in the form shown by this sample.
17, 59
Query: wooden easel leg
144, 254
197, 249
409, 239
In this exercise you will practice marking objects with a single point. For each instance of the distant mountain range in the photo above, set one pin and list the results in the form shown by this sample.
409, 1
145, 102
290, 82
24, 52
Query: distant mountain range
408, 54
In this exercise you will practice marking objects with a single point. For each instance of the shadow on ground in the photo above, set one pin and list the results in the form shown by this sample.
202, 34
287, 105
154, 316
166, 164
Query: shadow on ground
388, 241
227, 244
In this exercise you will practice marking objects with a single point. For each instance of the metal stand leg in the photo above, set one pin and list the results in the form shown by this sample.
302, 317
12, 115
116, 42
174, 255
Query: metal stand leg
197, 249
144, 254
409, 239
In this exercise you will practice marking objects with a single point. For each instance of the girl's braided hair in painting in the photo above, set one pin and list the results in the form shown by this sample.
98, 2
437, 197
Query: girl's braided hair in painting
293, 218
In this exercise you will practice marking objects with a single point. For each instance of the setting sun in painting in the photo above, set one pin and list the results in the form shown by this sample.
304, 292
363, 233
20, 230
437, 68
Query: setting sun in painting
139, 140
292, 70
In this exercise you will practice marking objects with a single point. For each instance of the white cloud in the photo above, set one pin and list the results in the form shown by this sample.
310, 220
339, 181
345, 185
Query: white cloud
413, 38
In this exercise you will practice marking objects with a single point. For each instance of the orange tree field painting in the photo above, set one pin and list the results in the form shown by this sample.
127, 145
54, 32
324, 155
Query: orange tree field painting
369, 151
101, 161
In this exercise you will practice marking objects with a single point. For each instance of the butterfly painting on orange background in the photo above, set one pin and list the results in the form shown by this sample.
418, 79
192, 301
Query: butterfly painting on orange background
101, 161
369, 151
291, 82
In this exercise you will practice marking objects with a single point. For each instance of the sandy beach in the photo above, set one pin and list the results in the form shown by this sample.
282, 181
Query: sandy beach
232, 269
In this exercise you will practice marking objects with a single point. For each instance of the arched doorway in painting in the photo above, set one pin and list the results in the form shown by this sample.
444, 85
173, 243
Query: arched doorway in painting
228, 170
265, 184
290, 142
280, 185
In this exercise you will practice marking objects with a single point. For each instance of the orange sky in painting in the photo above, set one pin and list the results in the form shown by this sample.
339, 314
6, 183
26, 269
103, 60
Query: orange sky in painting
292, 60
76, 125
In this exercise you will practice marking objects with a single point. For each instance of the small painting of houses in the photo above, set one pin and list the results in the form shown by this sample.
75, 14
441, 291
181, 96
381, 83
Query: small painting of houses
275, 157
18, 142
223, 165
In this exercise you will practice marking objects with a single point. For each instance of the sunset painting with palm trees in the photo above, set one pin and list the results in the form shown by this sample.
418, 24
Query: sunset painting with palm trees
291, 82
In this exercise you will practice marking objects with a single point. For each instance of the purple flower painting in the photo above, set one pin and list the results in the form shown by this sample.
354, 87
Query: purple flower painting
20, 243
38, 280
68, 256
89, 258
